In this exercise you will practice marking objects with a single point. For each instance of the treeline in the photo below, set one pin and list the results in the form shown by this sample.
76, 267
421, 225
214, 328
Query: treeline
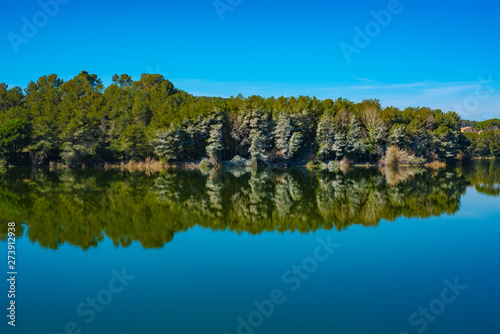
485, 142
80, 122
491, 124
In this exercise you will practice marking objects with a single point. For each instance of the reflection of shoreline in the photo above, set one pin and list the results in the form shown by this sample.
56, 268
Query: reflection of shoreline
487, 189
80, 207
398, 175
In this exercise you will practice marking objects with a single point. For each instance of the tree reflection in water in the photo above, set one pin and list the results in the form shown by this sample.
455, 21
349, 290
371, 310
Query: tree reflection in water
81, 207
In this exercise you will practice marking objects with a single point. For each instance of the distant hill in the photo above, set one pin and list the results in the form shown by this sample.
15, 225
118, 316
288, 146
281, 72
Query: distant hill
491, 124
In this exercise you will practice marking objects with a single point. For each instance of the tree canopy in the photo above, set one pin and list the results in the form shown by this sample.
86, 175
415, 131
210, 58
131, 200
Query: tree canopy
81, 122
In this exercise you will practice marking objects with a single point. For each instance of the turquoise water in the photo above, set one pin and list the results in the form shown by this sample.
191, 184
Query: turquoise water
357, 251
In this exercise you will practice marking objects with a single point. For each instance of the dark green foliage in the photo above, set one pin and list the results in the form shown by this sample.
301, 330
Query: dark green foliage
14, 137
495, 148
134, 142
11, 103
79, 122
492, 124
485, 144
80, 142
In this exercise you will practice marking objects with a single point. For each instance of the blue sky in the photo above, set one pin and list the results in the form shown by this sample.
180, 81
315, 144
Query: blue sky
442, 54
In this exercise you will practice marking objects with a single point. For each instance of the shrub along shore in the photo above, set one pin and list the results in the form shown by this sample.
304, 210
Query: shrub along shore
149, 122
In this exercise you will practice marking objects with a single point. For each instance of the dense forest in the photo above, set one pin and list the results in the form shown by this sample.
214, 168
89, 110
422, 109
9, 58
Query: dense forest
80, 122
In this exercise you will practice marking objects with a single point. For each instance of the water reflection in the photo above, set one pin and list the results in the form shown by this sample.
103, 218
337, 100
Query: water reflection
80, 207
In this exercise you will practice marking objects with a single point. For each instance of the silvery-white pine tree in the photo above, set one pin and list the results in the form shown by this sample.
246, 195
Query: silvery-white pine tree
167, 143
257, 149
355, 145
325, 136
339, 145
377, 131
294, 144
287, 143
397, 136
214, 141
282, 133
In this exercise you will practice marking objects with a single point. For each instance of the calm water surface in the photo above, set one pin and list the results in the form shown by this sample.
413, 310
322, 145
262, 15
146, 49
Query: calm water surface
352, 251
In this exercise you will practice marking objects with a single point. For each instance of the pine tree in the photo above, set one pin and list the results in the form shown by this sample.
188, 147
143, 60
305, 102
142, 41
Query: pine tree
257, 149
294, 145
80, 142
282, 134
286, 142
14, 137
355, 145
446, 143
325, 136
167, 144
495, 147
134, 142
422, 144
339, 145
397, 136
214, 141
377, 131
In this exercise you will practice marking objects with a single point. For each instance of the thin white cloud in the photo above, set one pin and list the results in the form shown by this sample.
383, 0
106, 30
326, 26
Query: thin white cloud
362, 79
448, 96
440, 91
390, 86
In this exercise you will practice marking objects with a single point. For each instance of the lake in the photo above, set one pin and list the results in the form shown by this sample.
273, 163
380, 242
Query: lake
358, 250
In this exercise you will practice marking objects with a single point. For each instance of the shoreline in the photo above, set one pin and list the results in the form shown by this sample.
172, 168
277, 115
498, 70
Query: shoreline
156, 165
